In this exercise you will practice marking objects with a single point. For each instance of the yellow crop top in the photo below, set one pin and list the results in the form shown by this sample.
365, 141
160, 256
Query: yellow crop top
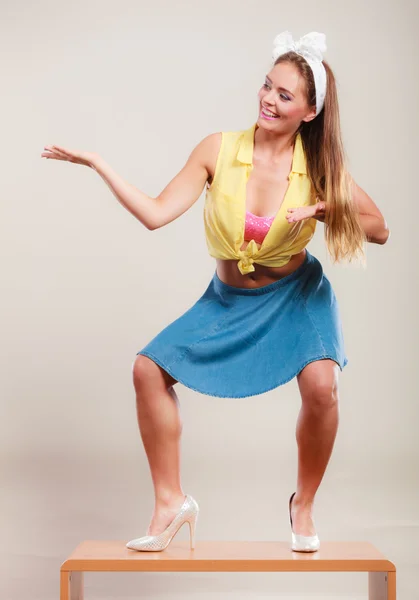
225, 207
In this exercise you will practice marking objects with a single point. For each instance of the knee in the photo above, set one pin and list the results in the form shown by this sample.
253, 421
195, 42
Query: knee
143, 369
322, 396
145, 372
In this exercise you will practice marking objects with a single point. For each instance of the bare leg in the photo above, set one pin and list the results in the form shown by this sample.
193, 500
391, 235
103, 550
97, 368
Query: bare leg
160, 426
316, 430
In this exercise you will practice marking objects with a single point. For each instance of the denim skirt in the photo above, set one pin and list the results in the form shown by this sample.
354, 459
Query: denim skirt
237, 342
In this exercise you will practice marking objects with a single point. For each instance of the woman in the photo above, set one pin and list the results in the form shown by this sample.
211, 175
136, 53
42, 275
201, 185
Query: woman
269, 312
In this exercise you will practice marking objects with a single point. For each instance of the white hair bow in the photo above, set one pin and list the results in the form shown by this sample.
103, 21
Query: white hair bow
311, 46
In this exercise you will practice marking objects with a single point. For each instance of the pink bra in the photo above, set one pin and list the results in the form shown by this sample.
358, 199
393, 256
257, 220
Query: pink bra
257, 227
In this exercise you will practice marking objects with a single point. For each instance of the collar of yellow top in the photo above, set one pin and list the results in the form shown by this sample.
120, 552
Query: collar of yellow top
245, 151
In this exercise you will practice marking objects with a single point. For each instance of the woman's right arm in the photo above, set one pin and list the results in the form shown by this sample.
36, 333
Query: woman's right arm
176, 198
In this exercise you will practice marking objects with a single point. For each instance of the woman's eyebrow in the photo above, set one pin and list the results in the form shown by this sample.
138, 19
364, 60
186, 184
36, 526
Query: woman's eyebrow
279, 87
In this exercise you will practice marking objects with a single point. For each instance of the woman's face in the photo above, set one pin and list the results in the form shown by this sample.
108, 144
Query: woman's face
284, 94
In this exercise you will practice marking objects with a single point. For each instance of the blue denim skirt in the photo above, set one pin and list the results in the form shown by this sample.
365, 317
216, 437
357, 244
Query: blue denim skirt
237, 342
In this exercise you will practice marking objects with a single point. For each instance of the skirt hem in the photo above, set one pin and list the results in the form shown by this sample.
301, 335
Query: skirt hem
207, 393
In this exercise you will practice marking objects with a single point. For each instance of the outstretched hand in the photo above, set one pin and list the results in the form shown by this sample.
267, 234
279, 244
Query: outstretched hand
315, 211
74, 156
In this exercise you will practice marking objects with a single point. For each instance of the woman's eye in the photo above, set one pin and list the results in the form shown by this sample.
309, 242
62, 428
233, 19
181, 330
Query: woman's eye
284, 95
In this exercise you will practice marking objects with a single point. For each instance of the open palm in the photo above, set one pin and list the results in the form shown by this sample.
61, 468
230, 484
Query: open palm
74, 156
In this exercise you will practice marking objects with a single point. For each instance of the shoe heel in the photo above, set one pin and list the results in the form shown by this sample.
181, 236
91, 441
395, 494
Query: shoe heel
192, 529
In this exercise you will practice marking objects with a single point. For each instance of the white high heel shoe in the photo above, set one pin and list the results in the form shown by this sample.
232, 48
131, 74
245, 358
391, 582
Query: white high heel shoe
303, 543
188, 513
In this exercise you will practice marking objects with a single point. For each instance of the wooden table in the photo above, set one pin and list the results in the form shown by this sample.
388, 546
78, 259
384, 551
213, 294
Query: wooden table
102, 555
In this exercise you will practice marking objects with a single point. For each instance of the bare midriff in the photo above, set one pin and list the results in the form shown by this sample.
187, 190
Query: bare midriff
228, 272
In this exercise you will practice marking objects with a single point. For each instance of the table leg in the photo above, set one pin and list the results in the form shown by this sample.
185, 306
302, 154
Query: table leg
71, 585
382, 585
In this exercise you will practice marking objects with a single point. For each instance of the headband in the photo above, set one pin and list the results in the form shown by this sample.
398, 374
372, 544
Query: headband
311, 47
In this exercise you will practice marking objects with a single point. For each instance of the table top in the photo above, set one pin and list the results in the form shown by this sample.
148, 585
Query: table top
113, 555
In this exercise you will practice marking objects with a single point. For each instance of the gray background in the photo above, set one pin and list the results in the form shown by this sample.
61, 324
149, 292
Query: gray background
85, 285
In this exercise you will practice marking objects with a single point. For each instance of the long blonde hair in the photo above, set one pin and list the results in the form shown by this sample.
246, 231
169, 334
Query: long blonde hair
326, 167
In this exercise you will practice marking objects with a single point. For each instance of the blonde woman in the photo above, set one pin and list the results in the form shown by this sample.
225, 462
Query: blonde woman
269, 313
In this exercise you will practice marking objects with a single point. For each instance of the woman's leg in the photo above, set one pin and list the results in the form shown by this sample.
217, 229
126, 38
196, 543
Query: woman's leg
316, 430
160, 425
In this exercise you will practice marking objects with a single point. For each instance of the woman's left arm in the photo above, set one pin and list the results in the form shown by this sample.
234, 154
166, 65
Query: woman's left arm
372, 221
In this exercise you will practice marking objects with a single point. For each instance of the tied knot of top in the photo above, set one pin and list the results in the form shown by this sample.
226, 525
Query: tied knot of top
247, 256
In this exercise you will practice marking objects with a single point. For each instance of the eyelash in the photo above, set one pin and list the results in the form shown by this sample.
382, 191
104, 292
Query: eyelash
266, 86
